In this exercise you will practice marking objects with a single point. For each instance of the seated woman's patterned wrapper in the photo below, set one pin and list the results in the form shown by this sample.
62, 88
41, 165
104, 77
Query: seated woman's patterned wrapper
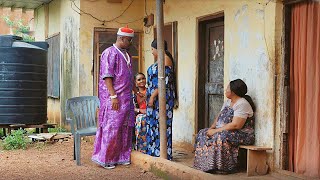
217, 147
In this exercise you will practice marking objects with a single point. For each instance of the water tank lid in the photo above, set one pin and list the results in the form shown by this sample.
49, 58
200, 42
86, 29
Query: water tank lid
7, 40
24, 44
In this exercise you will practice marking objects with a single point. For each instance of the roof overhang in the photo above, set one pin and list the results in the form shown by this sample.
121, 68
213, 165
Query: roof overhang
24, 4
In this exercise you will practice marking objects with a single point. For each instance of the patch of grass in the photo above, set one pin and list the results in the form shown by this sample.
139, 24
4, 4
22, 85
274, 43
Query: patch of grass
161, 173
40, 145
57, 129
16, 140
30, 130
1, 144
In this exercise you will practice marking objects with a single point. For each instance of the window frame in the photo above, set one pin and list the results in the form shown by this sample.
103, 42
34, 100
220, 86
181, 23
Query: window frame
53, 66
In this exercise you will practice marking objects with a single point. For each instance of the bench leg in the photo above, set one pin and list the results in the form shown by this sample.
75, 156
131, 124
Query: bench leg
45, 130
256, 163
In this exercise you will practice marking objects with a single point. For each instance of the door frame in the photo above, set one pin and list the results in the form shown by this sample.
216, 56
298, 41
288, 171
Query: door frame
284, 90
174, 53
284, 87
199, 57
96, 61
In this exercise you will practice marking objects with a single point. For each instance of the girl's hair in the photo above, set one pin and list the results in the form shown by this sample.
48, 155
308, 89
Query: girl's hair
240, 89
136, 75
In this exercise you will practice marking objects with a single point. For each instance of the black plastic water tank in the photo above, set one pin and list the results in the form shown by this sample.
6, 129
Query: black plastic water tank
23, 81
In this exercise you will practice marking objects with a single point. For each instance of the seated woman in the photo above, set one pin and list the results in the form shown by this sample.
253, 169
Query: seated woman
217, 147
140, 104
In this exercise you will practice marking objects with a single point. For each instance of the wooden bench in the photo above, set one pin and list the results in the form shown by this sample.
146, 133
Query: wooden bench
43, 127
256, 160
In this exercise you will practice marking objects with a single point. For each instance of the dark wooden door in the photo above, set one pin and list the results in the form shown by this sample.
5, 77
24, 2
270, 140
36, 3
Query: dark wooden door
211, 72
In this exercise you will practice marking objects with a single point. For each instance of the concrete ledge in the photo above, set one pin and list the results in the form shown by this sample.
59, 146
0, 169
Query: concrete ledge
288, 175
171, 170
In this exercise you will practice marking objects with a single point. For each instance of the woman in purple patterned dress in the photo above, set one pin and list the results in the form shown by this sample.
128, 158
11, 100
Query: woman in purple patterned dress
217, 147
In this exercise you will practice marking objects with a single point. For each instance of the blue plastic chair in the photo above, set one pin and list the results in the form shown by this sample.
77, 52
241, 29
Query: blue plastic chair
81, 113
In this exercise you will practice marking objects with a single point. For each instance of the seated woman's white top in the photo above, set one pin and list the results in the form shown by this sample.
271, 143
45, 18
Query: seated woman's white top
241, 108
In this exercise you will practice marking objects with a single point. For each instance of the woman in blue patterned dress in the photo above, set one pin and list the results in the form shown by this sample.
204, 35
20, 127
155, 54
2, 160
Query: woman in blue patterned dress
217, 147
152, 120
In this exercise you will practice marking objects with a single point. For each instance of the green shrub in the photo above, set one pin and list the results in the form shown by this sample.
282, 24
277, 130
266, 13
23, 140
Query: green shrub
57, 129
19, 29
16, 140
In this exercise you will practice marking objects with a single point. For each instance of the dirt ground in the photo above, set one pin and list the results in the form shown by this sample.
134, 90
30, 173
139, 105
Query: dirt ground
55, 161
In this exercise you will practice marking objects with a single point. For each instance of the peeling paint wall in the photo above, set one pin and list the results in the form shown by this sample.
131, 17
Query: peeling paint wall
54, 17
53, 108
39, 24
104, 11
253, 33
70, 25
62, 19
249, 54
253, 61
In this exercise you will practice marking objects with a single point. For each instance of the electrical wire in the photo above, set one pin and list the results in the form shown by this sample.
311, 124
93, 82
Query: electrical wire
83, 12
74, 9
129, 21
122, 12
104, 21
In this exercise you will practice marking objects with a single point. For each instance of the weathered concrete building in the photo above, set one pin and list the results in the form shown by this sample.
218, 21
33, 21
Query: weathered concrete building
213, 41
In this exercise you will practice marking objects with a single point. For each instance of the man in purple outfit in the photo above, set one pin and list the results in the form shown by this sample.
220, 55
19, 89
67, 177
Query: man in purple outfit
116, 116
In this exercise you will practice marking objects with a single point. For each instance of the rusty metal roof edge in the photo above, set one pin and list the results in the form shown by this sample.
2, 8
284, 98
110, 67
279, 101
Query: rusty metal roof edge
25, 6
43, 4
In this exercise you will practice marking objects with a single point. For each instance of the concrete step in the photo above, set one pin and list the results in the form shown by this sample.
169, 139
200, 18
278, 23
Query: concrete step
172, 170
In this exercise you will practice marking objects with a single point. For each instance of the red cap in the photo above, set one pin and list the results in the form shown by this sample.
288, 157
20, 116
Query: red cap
125, 31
